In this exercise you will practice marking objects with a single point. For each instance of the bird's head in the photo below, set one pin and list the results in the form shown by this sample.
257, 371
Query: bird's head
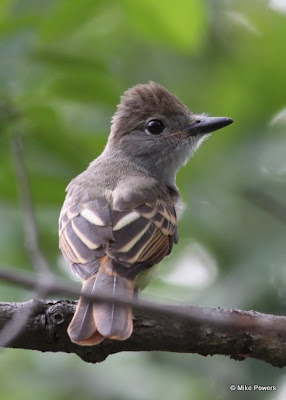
152, 128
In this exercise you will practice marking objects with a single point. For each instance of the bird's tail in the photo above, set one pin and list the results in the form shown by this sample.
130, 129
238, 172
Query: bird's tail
92, 322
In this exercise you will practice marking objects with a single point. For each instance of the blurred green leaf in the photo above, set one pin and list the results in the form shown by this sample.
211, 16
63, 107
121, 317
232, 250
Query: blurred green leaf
4, 9
90, 87
15, 24
60, 60
69, 16
181, 24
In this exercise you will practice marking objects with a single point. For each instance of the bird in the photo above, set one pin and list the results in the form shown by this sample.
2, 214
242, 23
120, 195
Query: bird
119, 218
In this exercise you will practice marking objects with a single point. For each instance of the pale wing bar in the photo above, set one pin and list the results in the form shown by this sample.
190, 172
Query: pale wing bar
146, 240
85, 231
135, 239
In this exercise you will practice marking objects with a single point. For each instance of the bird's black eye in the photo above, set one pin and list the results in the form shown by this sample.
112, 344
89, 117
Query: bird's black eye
155, 126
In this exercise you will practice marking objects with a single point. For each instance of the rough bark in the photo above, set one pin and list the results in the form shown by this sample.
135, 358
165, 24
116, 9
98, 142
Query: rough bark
242, 334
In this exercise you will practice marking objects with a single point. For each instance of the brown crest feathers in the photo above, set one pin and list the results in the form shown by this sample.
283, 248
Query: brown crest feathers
144, 101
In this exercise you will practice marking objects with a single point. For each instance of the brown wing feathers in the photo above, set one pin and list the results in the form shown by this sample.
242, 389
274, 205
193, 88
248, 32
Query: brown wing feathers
140, 235
146, 240
85, 231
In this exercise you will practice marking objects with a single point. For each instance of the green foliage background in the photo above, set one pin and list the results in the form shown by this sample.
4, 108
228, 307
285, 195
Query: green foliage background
63, 66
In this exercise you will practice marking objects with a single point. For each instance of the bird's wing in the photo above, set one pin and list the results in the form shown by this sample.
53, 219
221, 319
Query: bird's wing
136, 229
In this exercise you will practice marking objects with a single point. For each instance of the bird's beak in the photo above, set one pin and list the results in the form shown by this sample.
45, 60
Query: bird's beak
208, 124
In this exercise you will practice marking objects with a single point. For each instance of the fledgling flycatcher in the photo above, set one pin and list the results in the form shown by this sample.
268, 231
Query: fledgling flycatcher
119, 218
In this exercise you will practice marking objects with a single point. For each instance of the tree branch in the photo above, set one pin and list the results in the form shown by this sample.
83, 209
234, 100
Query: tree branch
58, 286
46, 331
31, 233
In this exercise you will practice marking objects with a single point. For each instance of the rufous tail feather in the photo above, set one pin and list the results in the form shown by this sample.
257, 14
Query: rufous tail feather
92, 322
